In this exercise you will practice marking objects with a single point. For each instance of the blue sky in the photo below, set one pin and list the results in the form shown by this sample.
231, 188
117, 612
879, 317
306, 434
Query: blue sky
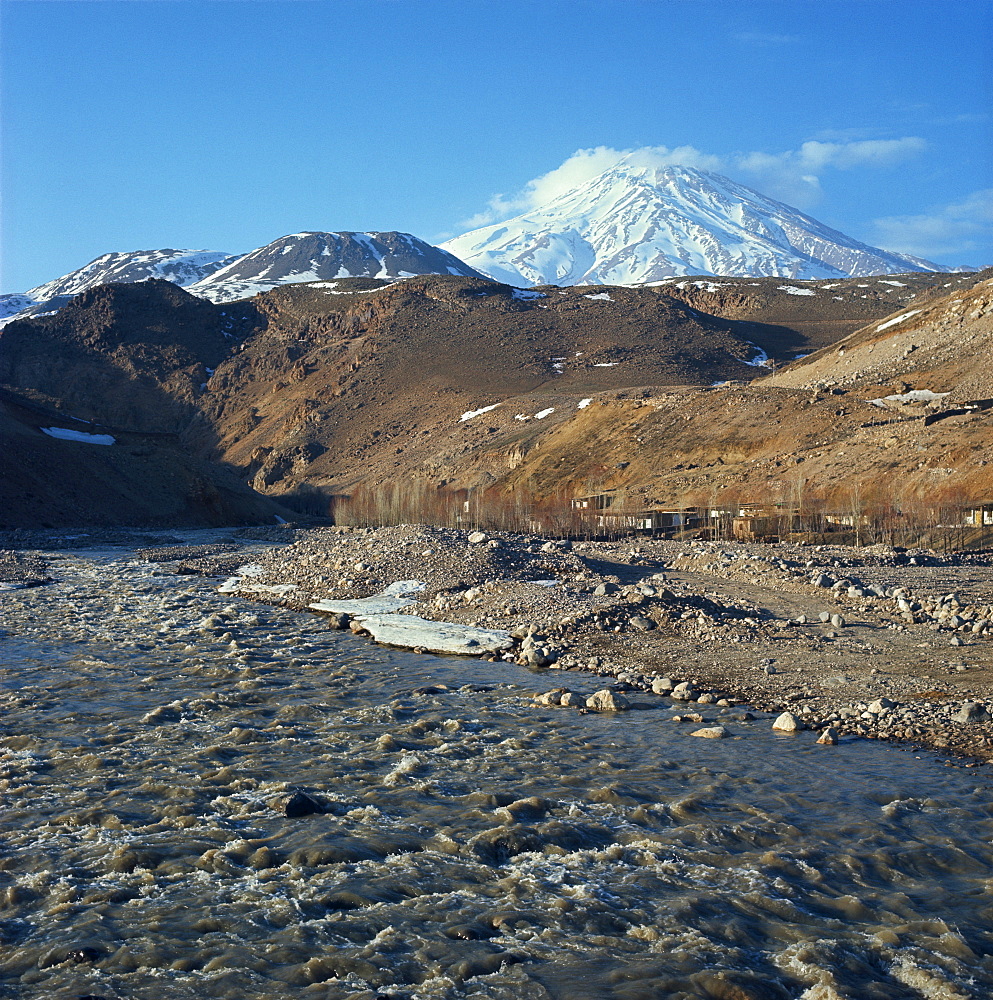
139, 124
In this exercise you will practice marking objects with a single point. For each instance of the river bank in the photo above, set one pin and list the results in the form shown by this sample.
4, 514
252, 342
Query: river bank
872, 642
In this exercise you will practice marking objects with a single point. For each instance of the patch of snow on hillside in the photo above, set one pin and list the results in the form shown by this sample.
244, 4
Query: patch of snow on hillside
896, 319
541, 414
524, 294
583, 403
913, 396
761, 360
469, 414
65, 434
606, 364
601, 296
793, 290
896, 284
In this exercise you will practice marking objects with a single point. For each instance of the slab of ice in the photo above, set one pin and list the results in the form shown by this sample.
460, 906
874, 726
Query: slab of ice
65, 434
412, 632
237, 585
392, 599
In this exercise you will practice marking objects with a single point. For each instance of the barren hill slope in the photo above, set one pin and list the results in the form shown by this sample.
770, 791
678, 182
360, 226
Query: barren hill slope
357, 382
308, 391
98, 412
823, 427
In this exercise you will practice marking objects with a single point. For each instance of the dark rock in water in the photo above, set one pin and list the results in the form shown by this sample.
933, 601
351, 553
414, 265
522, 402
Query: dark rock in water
82, 955
497, 846
300, 804
78, 956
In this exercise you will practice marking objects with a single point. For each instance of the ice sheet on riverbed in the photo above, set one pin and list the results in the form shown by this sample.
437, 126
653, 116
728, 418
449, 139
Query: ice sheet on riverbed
412, 632
375, 614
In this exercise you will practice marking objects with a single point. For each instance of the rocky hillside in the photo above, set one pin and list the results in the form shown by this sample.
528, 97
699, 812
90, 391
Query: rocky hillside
148, 405
899, 411
99, 418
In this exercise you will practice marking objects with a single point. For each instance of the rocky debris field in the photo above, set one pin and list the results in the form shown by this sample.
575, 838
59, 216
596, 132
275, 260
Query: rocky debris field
18, 569
873, 642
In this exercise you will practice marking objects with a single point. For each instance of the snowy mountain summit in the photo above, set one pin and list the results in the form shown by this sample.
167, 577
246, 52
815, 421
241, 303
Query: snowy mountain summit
181, 267
635, 223
325, 256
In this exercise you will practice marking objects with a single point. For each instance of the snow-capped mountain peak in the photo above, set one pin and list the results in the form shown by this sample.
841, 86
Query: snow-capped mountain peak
182, 267
323, 256
637, 223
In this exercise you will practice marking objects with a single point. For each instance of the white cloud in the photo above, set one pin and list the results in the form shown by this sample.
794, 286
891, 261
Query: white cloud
959, 227
792, 176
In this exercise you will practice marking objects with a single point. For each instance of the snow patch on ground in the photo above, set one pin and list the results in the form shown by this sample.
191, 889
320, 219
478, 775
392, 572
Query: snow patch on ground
65, 434
583, 403
914, 396
525, 294
607, 364
600, 296
793, 290
896, 319
469, 414
377, 615
761, 360
541, 414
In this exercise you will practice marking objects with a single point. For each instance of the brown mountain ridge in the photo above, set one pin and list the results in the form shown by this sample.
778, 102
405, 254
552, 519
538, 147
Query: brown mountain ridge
254, 409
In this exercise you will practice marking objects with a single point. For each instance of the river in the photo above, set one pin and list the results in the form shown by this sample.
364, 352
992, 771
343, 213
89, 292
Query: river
468, 843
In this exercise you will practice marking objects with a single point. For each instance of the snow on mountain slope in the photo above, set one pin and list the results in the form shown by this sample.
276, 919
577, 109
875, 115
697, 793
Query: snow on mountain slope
182, 267
635, 223
14, 303
324, 256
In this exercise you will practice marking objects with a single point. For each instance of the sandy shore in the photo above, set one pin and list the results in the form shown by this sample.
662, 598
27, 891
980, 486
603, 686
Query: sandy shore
866, 642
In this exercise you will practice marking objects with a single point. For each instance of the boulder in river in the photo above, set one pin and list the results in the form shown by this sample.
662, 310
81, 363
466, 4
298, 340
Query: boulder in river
787, 723
606, 700
711, 732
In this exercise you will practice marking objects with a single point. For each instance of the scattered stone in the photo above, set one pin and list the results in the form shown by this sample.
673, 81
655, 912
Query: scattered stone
787, 723
971, 713
711, 733
606, 700
829, 737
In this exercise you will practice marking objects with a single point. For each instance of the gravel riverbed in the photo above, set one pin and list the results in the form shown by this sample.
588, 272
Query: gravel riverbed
869, 642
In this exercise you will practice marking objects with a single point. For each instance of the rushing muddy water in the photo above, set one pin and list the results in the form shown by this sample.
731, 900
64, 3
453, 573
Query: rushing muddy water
472, 845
